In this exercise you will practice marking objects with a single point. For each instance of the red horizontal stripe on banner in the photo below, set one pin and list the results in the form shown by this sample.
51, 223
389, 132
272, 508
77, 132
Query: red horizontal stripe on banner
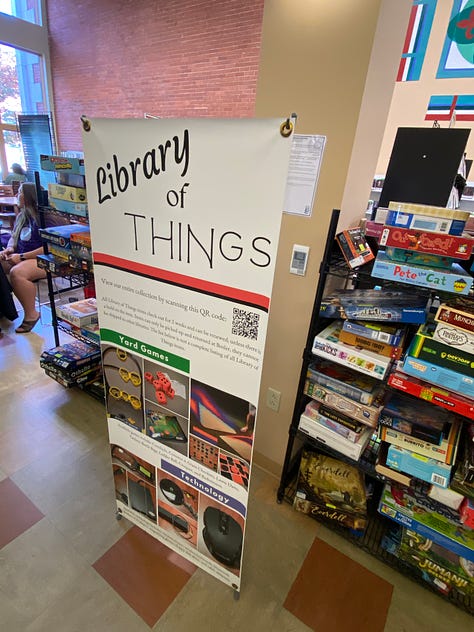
192, 283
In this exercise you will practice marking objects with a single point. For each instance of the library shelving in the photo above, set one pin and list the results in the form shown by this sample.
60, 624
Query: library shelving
308, 433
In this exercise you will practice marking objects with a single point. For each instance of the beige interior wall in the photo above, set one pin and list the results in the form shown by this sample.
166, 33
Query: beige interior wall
314, 61
410, 98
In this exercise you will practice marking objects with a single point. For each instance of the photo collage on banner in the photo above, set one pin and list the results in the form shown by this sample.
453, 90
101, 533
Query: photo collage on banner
185, 217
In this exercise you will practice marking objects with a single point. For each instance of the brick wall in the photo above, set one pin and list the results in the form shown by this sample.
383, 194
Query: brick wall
122, 58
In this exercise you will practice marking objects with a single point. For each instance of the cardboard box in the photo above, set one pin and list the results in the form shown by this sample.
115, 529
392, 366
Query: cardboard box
79, 313
439, 375
332, 490
426, 223
326, 344
441, 567
458, 312
64, 192
454, 337
382, 332
62, 164
445, 452
458, 247
73, 208
365, 414
320, 414
338, 443
344, 381
422, 467
354, 247
413, 257
431, 393
383, 349
404, 506
61, 235
455, 280
423, 346
432, 211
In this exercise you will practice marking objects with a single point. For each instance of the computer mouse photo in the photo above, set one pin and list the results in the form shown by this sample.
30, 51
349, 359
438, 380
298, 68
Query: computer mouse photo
223, 536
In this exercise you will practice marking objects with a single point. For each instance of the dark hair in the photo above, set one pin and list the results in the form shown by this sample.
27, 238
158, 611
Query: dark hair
16, 168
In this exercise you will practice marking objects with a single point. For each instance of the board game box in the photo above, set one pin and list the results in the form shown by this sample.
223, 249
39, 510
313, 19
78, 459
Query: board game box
432, 211
421, 467
354, 410
320, 414
445, 452
417, 258
354, 247
458, 247
400, 219
405, 506
441, 567
62, 164
344, 381
66, 206
79, 313
455, 280
458, 312
326, 344
64, 192
332, 490
318, 431
425, 347
382, 332
71, 354
415, 417
382, 348
377, 305
452, 380
61, 235
431, 393
454, 337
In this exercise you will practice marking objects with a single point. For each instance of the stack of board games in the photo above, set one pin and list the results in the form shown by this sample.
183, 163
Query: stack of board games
420, 445
443, 352
428, 257
69, 194
444, 570
73, 363
335, 430
328, 344
428, 518
79, 313
332, 490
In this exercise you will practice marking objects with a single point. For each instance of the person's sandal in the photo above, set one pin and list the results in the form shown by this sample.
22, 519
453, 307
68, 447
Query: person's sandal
26, 326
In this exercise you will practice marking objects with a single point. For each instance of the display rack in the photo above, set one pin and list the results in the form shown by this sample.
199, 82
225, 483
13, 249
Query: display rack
334, 269
77, 273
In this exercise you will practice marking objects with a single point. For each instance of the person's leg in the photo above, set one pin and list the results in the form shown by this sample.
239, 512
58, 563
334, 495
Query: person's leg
22, 277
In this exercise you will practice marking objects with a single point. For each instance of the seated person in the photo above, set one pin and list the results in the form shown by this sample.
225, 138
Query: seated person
19, 257
17, 174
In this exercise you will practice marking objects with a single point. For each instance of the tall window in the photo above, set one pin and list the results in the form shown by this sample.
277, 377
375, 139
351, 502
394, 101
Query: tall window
22, 90
28, 10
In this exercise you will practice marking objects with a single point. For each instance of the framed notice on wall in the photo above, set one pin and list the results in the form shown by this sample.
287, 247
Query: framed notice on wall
185, 218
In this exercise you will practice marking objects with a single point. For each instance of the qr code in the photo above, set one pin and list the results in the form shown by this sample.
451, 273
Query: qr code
245, 323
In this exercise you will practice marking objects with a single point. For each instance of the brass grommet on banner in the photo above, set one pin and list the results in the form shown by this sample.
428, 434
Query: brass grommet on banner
86, 124
286, 128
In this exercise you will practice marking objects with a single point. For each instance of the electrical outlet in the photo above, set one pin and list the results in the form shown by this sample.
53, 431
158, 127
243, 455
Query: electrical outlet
273, 399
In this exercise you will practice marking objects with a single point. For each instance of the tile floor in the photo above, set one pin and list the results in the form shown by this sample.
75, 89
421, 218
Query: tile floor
67, 564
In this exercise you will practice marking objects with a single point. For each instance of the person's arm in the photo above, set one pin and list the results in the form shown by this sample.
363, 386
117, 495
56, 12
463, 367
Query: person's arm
24, 256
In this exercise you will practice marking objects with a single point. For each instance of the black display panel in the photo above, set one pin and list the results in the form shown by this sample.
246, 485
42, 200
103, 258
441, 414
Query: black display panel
423, 165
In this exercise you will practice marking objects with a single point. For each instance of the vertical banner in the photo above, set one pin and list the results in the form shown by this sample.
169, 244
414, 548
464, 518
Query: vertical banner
185, 218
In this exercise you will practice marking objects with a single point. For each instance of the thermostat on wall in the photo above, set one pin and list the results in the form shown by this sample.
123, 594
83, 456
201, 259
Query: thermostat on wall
299, 259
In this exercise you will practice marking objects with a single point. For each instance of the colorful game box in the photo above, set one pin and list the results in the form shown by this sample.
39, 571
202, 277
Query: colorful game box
421, 467
79, 313
425, 347
406, 507
343, 380
416, 258
458, 247
382, 332
400, 219
458, 312
332, 490
323, 415
61, 235
326, 344
377, 305
382, 348
64, 192
445, 452
356, 411
439, 375
354, 247
339, 443
62, 164
456, 280
415, 417
66, 206
431, 393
